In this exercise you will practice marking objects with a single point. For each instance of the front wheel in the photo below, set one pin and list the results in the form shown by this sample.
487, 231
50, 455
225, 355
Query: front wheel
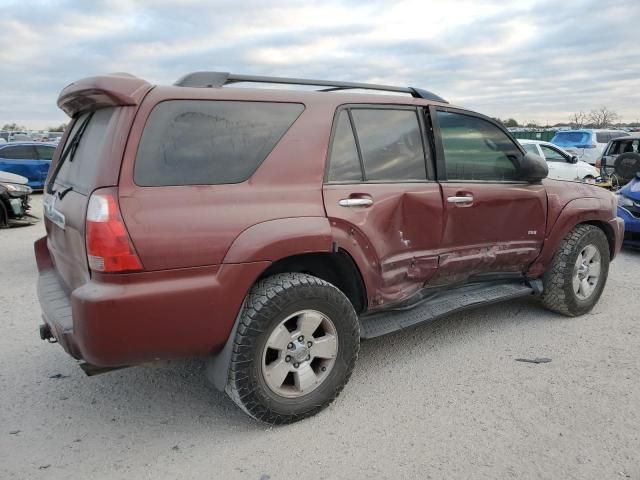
295, 348
578, 273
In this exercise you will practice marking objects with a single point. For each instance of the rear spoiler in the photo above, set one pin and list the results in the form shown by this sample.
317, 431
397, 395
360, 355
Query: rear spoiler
92, 93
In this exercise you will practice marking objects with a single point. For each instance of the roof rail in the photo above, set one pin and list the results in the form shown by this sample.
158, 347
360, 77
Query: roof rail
219, 79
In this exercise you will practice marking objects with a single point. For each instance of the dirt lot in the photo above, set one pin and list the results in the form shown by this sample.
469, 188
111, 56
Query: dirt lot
446, 400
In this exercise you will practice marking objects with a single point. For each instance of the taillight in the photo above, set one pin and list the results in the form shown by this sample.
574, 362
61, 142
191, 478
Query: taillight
598, 162
109, 248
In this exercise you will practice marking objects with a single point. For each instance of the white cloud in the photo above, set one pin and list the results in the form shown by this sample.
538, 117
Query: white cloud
530, 59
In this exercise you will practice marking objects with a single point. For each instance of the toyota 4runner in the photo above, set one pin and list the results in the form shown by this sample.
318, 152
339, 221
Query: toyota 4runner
271, 230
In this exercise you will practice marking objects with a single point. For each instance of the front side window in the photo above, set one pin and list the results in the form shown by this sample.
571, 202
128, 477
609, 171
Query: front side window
475, 149
531, 148
552, 155
194, 142
18, 152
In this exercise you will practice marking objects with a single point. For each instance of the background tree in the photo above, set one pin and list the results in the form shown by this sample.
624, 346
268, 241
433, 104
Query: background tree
13, 126
578, 119
602, 117
512, 122
59, 128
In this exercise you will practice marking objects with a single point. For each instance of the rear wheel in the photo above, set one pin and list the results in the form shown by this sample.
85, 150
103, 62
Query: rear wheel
295, 348
577, 275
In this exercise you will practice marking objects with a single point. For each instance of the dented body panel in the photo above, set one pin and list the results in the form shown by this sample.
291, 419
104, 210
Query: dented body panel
395, 241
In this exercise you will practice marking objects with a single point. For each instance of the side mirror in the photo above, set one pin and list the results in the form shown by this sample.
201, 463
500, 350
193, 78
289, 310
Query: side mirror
533, 168
573, 159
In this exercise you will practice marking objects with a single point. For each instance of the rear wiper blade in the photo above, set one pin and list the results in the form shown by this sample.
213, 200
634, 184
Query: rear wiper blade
73, 146
69, 151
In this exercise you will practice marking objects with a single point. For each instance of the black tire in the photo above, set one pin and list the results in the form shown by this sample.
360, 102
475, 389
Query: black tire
271, 301
558, 292
4, 217
627, 165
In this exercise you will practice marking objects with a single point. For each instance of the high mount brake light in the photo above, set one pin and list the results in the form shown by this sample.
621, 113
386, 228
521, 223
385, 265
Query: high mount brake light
109, 248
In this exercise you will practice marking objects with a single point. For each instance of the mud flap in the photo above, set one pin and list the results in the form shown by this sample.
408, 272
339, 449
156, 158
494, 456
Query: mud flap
217, 369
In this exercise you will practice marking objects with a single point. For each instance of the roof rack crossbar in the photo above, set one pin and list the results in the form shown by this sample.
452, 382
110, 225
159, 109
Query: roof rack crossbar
219, 79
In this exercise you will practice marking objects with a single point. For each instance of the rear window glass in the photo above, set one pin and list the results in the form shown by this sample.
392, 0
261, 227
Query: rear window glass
80, 171
19, 152
572, 139
194, 142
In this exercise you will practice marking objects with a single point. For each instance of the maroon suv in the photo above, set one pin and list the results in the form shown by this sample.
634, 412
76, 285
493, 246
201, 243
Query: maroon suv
270, 230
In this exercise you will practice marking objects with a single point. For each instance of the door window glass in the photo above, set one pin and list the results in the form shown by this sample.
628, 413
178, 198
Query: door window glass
475, 149
391, 144
344, 164
531, 148
552, 155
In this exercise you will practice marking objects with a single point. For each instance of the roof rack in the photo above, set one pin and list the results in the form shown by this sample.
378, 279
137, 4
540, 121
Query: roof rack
219, 79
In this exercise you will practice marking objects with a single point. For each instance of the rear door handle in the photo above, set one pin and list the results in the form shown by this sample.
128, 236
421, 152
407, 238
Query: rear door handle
460, 199
355, 202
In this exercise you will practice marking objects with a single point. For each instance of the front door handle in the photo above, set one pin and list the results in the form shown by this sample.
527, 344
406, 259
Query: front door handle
468, 199
355, 202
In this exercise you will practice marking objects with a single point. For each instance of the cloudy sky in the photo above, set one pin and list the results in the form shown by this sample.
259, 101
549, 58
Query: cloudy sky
531, 60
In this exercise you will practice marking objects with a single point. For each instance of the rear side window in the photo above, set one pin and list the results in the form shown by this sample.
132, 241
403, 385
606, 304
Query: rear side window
19, 152
194, 142
475, 149
603, 137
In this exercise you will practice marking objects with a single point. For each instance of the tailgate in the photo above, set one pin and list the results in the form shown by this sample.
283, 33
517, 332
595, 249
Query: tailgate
93, 162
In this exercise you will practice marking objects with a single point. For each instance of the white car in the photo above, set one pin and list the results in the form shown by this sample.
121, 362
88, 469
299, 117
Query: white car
587, 144
562, 165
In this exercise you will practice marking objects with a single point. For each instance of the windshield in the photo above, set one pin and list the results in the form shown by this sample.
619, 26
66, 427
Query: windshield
571, 139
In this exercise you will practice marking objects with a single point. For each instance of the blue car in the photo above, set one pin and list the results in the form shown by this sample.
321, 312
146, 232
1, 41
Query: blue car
629, 210
29, 159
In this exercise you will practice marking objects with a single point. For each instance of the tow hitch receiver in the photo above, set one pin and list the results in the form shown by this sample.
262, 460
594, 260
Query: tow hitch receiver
46, 334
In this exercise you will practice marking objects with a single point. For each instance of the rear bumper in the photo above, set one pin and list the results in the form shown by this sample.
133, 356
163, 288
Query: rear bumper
124, 319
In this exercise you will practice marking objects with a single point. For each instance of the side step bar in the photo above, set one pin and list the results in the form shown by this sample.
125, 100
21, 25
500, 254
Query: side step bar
377, 324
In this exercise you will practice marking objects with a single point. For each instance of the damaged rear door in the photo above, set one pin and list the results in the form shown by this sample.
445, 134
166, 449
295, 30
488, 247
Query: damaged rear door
382, 200
493, 222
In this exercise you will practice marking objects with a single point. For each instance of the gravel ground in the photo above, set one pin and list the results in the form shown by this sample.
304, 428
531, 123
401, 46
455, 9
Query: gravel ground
446, 400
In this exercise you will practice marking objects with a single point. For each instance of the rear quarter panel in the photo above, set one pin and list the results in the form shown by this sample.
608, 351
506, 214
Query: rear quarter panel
186, 226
